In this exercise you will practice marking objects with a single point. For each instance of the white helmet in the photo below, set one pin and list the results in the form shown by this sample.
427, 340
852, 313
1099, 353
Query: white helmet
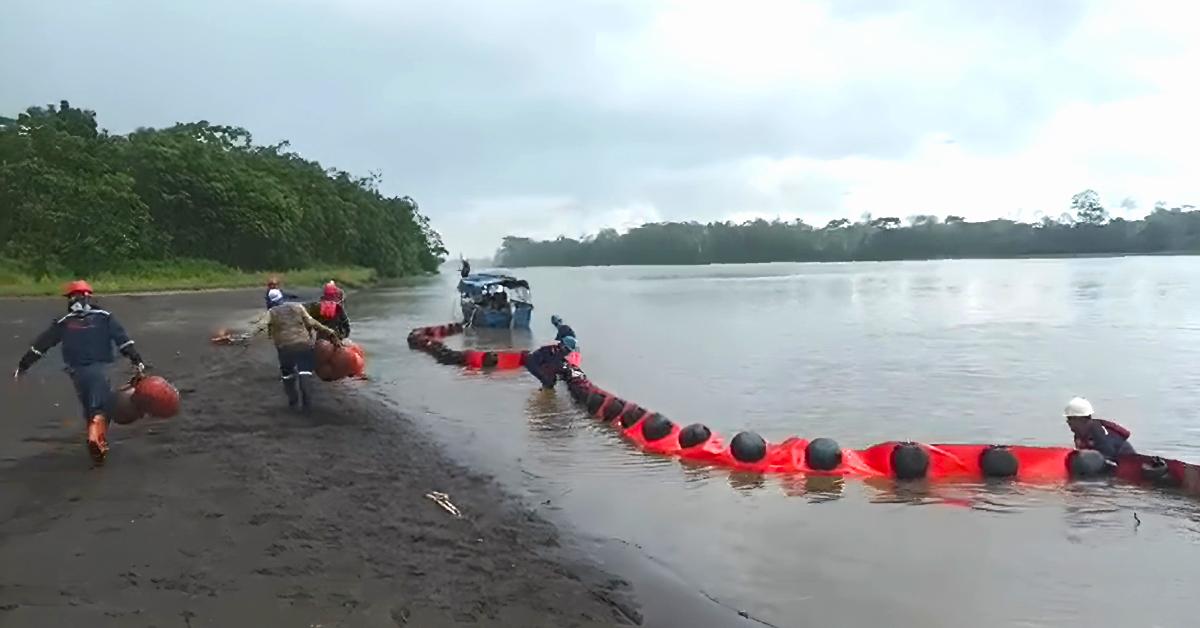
1079, 407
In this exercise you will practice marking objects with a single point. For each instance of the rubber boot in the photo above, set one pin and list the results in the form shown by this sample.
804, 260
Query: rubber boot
289, 388
306, 392
97, 439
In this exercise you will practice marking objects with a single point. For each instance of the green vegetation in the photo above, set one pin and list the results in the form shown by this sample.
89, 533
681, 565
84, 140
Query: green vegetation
193, 205
17, 280
1090, 231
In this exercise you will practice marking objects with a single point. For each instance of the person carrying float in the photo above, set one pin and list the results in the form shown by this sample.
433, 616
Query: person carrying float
549, 363
87, 334
330, 311
1106, 437
291, 328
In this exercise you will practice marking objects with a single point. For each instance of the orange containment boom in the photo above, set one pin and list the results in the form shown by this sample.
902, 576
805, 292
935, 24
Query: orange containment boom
747, 451
431, 341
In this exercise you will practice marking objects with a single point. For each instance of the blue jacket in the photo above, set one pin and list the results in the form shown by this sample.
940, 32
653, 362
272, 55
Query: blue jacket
547, 359
564, 330
87, 338
1109, 443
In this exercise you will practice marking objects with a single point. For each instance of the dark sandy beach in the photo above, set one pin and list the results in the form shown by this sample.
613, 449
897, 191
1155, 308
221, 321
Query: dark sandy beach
238, 512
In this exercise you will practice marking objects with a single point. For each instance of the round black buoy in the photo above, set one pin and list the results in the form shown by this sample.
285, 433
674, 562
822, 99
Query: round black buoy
998, 461
614, 409
748, 447
631, 415
489, 359
694, 434
1086, 463
823, 454
656, 427
594, 401
910, 461
1157, 471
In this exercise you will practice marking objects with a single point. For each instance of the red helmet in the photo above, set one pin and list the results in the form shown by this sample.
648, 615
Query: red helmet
273, 282
332, 291
78, 286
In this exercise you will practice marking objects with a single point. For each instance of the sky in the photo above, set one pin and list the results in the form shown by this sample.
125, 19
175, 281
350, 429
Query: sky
558, 117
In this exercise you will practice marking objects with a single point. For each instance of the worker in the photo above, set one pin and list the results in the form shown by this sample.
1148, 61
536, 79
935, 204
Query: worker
466, 269
1106, 437
329, 311
550, 361
563, 329
291, 328
87, 334
273, 284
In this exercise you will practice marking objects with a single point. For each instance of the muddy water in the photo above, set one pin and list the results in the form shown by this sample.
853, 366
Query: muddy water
962, 351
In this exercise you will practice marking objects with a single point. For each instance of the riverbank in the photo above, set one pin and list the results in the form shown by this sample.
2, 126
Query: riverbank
238, 512
17, 281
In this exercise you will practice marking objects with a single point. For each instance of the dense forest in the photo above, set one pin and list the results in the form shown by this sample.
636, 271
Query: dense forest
1088, 230
75, 198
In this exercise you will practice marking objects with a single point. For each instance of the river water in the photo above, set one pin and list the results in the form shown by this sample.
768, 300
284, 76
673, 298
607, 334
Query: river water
944, 351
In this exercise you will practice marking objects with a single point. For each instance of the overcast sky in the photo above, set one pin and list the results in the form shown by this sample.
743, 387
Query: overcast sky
551, 117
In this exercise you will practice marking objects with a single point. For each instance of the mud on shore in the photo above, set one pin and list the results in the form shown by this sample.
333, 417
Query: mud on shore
239, 512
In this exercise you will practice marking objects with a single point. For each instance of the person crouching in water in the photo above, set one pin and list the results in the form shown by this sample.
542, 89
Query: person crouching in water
550, 361
330, 312
1106, 437
87, 334
291, 328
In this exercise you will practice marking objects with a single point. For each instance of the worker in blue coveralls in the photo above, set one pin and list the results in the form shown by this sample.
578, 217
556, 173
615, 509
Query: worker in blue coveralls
550, 362
87, 334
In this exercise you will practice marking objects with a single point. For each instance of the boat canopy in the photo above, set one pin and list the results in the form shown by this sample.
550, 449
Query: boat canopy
485, 283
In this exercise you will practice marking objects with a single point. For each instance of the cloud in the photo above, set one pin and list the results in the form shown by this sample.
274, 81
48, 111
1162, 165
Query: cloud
542, 118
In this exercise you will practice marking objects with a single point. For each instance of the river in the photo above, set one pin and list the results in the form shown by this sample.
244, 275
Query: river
945, 351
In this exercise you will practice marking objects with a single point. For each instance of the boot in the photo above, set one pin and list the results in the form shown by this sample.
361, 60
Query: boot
97, 439
289, 388
305, 392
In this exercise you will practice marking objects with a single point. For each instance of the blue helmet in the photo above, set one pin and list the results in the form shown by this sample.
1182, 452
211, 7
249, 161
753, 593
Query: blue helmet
570, 343
556, 320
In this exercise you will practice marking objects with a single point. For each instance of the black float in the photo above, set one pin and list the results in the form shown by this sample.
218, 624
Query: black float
1086, 463
748, 447
823, 454
656, 427
910, 461
998, 461
594, 401
694, 434
614, 409
631, 415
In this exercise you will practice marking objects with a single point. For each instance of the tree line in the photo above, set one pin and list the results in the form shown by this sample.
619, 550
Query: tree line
74, 197
1087, 230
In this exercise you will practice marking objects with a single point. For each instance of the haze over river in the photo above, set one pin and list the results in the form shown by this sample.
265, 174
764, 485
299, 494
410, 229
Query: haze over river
943, 351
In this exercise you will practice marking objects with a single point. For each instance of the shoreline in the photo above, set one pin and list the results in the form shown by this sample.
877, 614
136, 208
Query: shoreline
239, 512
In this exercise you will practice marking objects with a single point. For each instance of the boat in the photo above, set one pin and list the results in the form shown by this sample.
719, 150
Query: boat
495, 300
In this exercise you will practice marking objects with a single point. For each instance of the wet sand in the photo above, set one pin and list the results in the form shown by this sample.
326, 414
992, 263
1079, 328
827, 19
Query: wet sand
239, 512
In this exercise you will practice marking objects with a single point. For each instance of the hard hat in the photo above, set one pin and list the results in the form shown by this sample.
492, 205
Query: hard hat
1079, 407
331, 290
556, 320
570, 343
76, 287
274, 295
